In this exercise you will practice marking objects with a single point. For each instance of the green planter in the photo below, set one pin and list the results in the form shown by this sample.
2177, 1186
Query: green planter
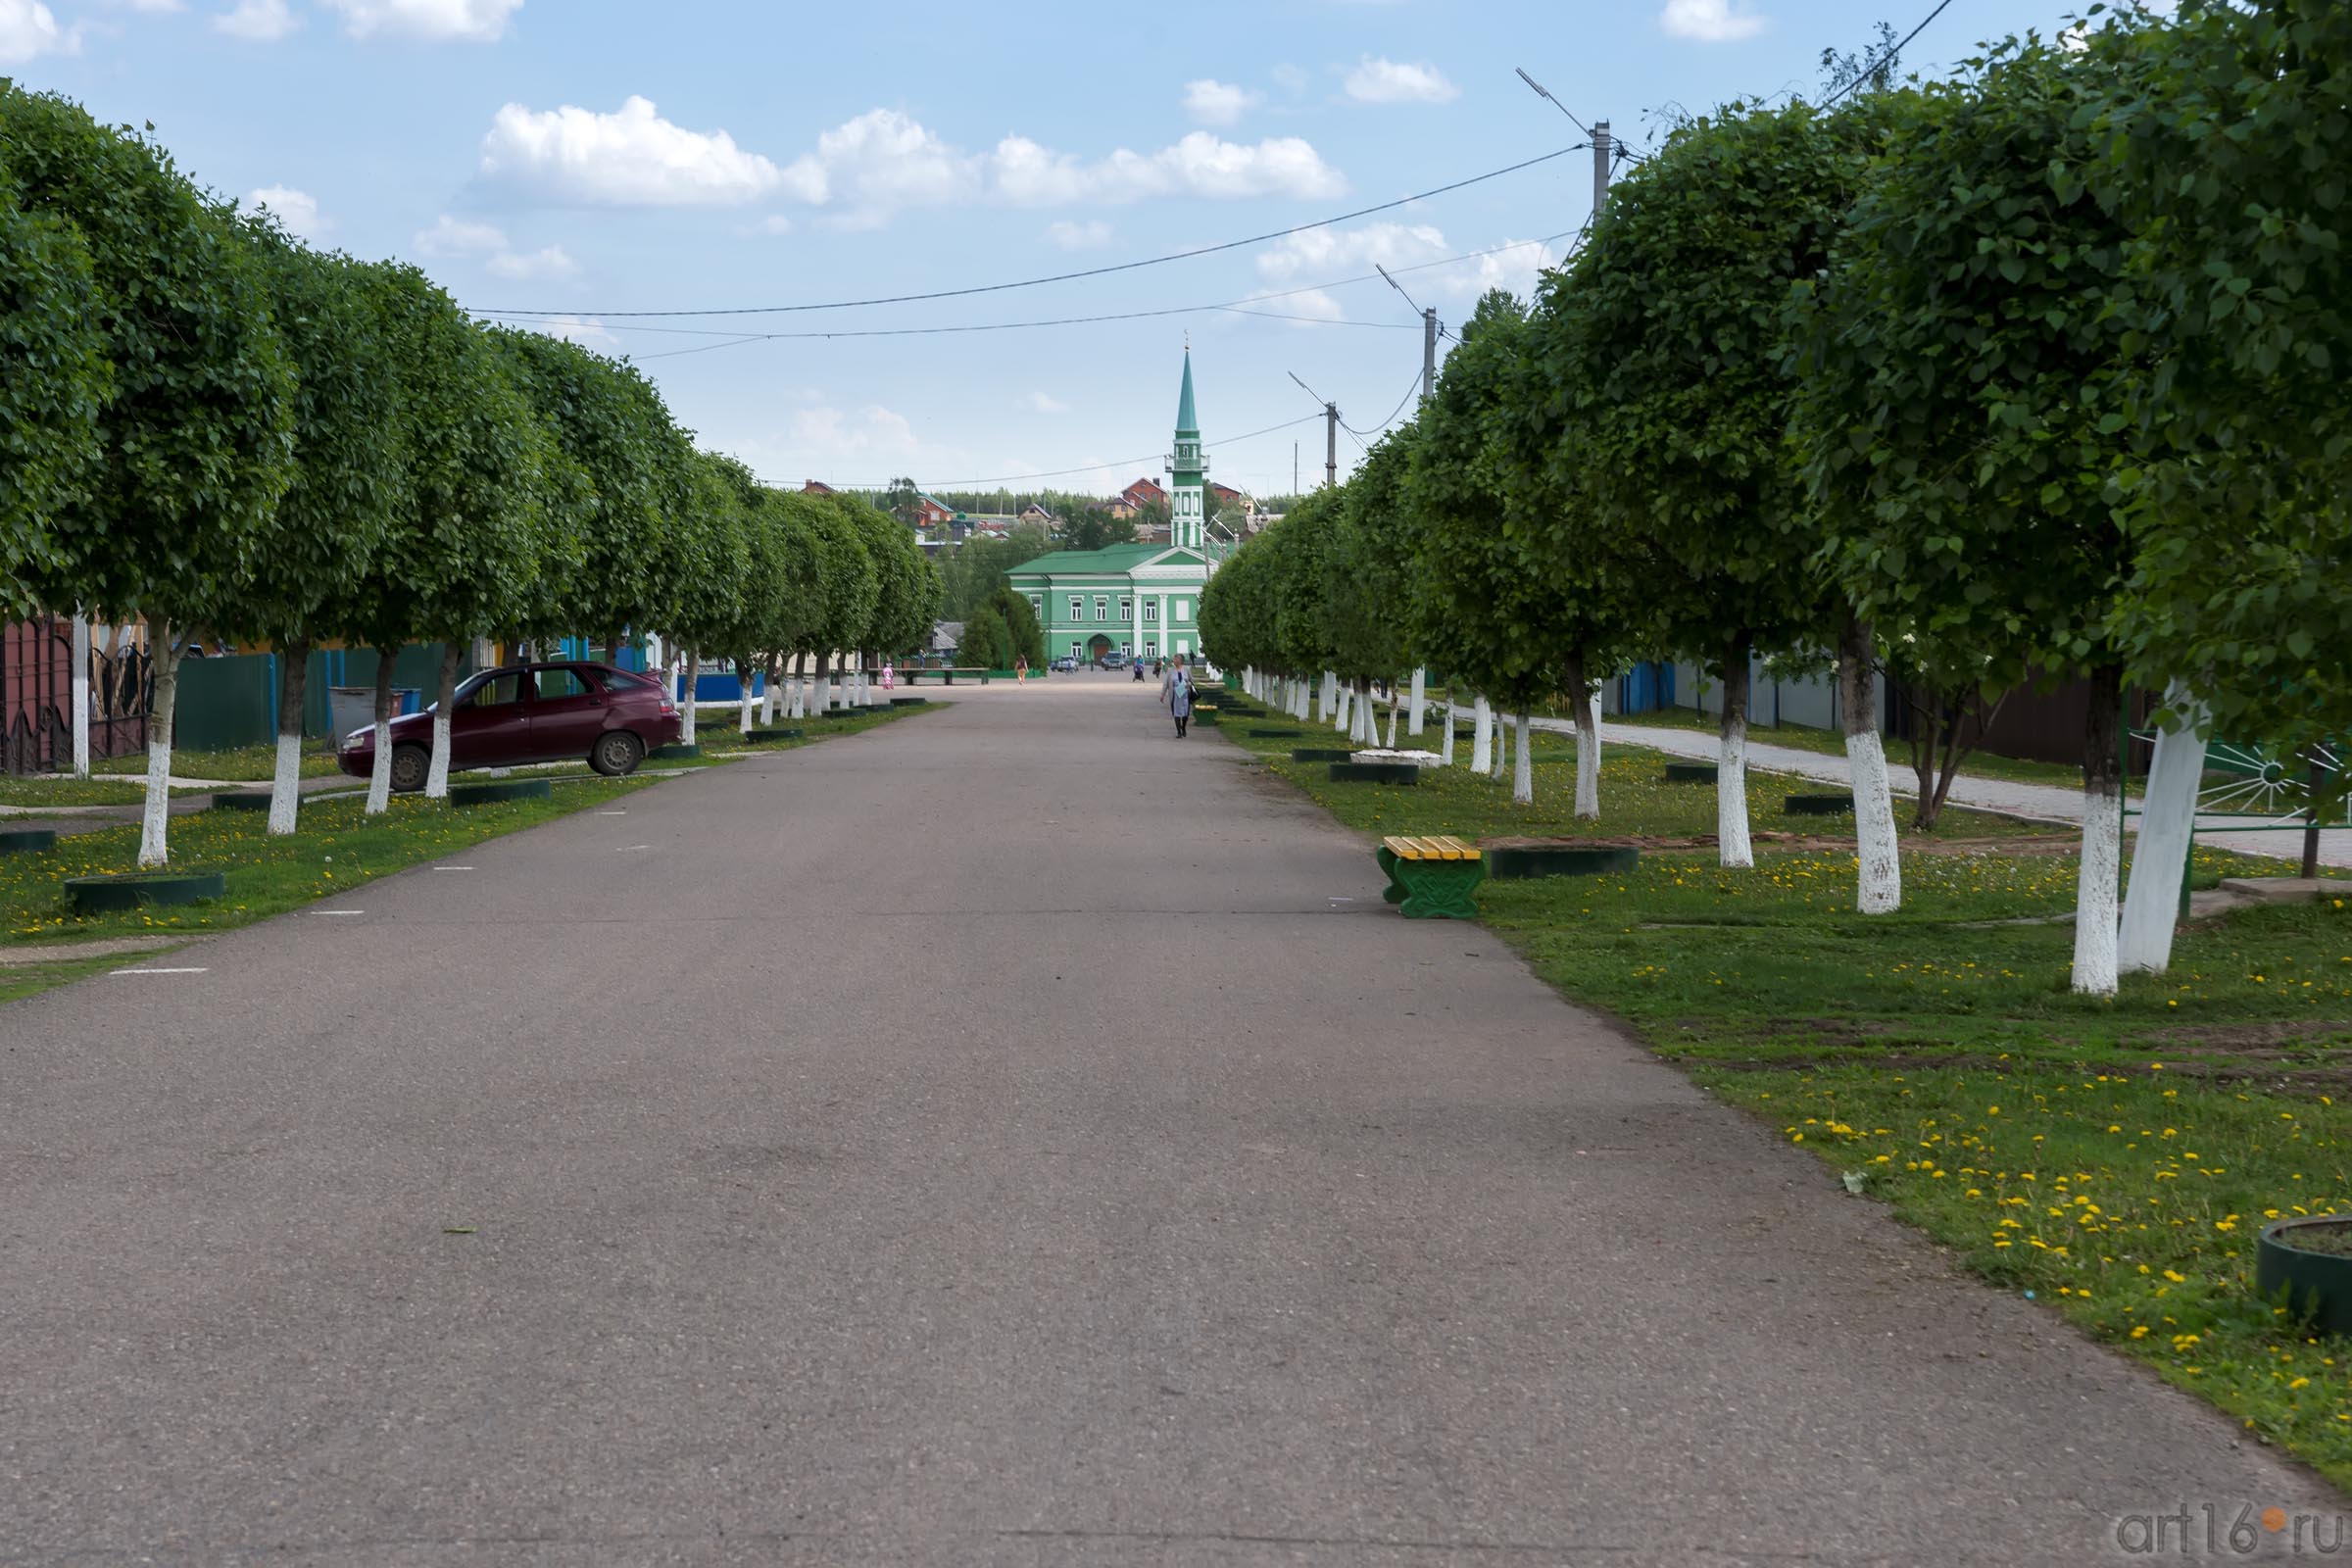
28, 839
1321, 754
501, 790
1690, 773
1819, 805
241, 801
764, 737
111, 893
1558, 860
1375, 773
676, 752
1208, 716
2319, 1285
909, 702
1274, 732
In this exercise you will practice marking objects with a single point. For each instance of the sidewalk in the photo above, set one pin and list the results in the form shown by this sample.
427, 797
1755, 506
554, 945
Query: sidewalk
2044, 803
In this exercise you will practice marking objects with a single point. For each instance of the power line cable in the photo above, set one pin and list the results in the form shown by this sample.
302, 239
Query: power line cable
1880, 63
1065, 278
1414, 387
1090, 468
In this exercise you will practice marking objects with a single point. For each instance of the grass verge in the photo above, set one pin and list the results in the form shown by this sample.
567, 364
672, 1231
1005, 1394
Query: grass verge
2113, 1158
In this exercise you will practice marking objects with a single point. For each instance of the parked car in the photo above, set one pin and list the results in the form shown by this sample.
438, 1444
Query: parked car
551, 713
1064, 665
1114, 660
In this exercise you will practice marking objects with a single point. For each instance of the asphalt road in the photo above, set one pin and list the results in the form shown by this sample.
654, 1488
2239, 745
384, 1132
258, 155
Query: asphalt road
1014, 1135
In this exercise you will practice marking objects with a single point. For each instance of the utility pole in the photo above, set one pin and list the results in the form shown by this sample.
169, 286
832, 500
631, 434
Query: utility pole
1600, 167
1331, 445
1429, 353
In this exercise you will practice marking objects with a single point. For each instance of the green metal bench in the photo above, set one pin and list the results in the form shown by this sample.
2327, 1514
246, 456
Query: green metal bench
1430, 878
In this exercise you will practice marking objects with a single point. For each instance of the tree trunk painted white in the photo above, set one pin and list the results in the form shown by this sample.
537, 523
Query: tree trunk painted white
1878, 888
1733, 850
745, 701
771, 696
1364, 723
824, 690
163, 651
1339, 711
1445, 748
689, 664
1523, 771
1482, 738
80, 683
2095, 933
1586, 708
1323, 697
1420, 700
1394, 709
379, 775
1503, 744
2167, 824
285, 781
436, 778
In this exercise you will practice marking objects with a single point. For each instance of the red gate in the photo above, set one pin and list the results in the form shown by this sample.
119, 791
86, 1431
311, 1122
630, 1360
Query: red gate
36, 697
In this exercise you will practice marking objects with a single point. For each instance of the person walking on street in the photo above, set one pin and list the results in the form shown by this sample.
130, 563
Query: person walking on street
1020, 670
1180, 698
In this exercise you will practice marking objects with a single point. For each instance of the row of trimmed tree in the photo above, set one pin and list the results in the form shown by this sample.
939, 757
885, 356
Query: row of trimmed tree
2032, 372
215, 428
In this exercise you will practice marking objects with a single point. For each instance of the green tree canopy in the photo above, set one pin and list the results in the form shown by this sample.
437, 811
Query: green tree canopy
55, 382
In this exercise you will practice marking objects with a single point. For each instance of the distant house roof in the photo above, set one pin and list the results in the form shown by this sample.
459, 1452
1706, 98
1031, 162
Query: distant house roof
1224, 492
817, 487
1143, 490
1033, 509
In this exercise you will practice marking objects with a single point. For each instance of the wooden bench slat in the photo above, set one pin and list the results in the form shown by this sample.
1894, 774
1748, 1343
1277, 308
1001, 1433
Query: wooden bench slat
1461, 851
1402, 849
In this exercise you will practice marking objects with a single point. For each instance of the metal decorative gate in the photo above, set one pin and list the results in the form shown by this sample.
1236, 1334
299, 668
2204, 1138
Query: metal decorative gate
36, 696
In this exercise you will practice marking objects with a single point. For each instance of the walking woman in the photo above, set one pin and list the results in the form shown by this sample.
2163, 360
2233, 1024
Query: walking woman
1180, 698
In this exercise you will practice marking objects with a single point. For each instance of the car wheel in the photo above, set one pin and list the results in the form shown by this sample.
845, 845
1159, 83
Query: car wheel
617, 752
409, 766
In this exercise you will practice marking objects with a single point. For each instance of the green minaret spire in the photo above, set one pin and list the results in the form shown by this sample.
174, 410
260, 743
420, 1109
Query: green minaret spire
1187, 421
1188, 470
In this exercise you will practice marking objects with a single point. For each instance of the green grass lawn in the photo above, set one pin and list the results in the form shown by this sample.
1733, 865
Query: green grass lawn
2114, 1158
247, 765
39, 793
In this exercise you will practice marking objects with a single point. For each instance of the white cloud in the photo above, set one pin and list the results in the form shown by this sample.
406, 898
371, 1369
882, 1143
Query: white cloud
1218, 103
1381, 81
1200, 165
1711, 20
297, 210
156, 8
1086, 236
550, 263
258, 21
1328, 252
775, 223
1044, 402
824, 434
1290, 78
28, 28
882, 161
587, 331
633, 158
451, 239
431, 21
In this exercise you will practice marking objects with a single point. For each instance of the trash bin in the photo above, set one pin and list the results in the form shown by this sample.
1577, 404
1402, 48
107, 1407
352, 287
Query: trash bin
350, 707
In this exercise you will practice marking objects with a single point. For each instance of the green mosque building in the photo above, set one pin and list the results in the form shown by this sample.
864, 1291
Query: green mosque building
1141, 600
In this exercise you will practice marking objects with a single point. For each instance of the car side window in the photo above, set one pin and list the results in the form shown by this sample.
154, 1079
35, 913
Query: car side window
557, 684
496, 692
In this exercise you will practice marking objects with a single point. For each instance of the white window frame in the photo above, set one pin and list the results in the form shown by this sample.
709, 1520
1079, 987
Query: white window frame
1102, 607
1077, 606
1126, 609
1151, 612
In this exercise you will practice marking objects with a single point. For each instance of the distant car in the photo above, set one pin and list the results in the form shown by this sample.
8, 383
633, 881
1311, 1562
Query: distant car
1064, 665
1114, 660
551, 713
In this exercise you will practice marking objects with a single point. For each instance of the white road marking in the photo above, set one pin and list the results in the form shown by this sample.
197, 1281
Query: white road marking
338, 911
453, 868
632, 847
612, 813
162, 971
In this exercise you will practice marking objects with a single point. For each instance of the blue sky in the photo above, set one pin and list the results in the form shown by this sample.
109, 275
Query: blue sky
588, 157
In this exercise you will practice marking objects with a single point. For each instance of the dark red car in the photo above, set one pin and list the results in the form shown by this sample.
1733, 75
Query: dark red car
530, 714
